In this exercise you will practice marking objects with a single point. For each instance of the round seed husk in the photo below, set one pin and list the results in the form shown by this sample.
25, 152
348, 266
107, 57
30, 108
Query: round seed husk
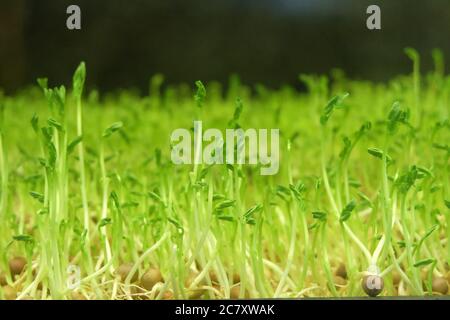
372, 285
9, 293
196, 294
2, 279
339, 281
396, 278
77, 296
213, 277
17, 265
234, 292
341, 271
124, 270
150, 278
440, 285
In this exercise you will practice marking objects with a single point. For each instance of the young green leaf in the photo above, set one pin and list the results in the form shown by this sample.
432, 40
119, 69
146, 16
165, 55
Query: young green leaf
47, 134
412, 54
200, 94
366, 199
346, 149
204, 172
225, 217
423, 172
349, 145
249, 215
43, 83
237, 114
71, 146
155, 84
115, 199
35, 123
320, 215
429, 232
218, 196
397, 116
177, 225
105, 222
59, 99
43, 162
407, 180
55, 124
347, 211
24, 238
424, 262
298, 190
442, 147
155, 197
112, 128
224, 205
334, 102
377, 153
38, 196
447, 203
78, 80
52, 154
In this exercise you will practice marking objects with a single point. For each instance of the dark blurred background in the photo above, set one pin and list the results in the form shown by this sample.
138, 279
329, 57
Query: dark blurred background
264, 41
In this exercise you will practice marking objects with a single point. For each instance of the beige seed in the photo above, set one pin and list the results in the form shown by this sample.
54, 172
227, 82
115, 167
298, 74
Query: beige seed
9, 293
150, 278
339, 281
341, 271
440, 285
124, 270
2, 279
16, 265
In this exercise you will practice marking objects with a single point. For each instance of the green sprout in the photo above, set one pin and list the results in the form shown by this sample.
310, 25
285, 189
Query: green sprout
360, 205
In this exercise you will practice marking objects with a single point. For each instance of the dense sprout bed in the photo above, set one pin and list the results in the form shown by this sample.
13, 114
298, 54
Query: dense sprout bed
92, 207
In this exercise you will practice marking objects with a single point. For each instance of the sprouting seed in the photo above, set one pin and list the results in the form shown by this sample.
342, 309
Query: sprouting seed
372, 285
339, 281
17, 265
440, 285
151, 278
124, 270
9, 293
2, 279
234, 293
341, 271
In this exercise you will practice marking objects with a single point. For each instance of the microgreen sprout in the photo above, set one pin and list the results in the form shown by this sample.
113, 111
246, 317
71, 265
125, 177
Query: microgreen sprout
360, 205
